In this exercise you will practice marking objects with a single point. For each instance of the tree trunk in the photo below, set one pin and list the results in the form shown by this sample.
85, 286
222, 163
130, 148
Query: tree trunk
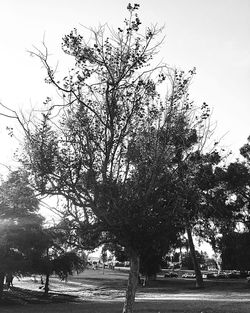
2, 275
180, 257
46, 286
132, 284
218, 261
199, 279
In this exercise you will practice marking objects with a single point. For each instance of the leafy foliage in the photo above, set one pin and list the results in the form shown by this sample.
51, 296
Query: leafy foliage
187, 261
19, 223
235, 251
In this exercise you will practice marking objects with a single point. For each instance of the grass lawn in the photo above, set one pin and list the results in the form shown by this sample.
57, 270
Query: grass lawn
93, 292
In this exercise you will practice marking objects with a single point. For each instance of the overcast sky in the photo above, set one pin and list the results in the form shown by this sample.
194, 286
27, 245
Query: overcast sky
213, 36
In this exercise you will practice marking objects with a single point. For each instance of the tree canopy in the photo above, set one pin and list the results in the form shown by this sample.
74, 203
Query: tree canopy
114, 147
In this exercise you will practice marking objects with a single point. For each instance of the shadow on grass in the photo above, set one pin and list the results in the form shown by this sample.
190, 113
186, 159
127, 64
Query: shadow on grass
140, 307
24, 296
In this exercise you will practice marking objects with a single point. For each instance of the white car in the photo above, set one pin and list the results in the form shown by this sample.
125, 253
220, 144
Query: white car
188, 275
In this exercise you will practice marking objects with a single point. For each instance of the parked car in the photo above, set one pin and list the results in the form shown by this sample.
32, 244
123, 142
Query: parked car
211, 275
204, 275
222, 275
234, 274
171, 275
244, 274
188, 275
119, 264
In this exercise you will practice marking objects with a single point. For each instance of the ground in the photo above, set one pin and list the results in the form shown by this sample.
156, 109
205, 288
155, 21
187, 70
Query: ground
95, 292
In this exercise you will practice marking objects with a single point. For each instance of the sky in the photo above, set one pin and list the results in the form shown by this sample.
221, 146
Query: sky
212, 36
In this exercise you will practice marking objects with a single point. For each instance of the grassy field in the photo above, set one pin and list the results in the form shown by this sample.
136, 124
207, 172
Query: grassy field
170, 306
147, 307
93, 292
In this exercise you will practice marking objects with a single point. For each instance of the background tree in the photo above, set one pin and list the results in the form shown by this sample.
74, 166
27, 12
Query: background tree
51, 254
26, 247
235, 251
104, 258
19, 220
120, 253
227, 206
235, 240
192, 180
187, 260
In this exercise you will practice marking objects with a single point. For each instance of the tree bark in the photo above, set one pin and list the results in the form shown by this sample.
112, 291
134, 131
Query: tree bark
2, 275
46, 286
217, 259
132, 284
198, 275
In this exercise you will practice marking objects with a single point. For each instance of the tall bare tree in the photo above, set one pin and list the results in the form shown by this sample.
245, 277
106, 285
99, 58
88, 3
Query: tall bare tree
112, 145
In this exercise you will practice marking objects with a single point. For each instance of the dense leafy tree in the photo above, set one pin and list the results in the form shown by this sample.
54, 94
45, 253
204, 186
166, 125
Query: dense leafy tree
235, 251
19, 221
118, 252
25, 245
234, 241
51, 255
187, 260
227, 205
193, 181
